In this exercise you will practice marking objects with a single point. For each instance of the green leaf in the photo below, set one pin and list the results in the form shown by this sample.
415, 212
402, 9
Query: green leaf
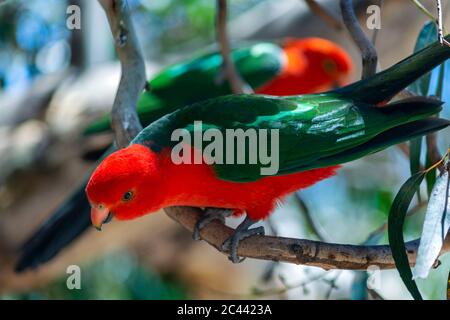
421, 87
415, 147
415, 150
427, 36
430, 176
440, 80
396, 220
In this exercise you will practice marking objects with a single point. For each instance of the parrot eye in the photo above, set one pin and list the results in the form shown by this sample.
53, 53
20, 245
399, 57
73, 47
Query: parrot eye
127, 196
329, 66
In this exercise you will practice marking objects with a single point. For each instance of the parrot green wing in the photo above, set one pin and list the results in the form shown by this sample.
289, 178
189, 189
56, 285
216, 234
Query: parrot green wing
313, 130
202, 78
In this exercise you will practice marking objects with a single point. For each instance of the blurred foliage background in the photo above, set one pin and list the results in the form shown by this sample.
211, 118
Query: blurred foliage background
52, 80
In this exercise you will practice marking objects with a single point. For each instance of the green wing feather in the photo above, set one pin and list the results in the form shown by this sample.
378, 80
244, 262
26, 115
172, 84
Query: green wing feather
314, 130
202, 78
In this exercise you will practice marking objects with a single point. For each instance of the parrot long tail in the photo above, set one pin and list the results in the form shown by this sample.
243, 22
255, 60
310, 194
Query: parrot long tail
69, 221
399, 76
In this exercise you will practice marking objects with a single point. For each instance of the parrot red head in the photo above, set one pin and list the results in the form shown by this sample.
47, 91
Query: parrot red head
324, 57
124, 184
313, 65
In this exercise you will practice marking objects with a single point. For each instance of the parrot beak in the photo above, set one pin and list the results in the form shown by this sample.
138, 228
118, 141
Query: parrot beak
99, 216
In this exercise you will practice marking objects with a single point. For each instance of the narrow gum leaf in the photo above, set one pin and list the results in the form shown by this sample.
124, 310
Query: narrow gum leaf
396, 220
421, 86
415, 147
427, 35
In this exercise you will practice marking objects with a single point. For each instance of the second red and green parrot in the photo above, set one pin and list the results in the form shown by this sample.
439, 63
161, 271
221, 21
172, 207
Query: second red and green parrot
297, 66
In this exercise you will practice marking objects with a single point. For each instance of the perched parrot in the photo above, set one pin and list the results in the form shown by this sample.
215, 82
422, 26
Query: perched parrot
317, 133
297, 66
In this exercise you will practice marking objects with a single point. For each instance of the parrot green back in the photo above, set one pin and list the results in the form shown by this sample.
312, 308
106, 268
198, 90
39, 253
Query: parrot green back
202, 78
313, 129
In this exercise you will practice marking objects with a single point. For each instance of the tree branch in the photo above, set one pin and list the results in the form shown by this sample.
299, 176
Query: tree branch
298, 251
368, 52
236, 83
125, 121
307, 252
324, 14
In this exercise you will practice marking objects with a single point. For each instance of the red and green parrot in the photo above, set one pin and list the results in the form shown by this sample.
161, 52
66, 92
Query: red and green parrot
296, 66
317, 133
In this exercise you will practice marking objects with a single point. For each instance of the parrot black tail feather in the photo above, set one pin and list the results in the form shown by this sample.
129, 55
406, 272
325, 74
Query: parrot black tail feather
384, 85
69, 221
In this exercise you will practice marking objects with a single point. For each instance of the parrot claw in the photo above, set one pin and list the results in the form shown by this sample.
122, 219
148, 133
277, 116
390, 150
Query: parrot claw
209, 215
241, 232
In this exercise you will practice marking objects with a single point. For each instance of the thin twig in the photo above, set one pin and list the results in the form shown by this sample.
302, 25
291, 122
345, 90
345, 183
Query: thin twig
384, 226
263, 293
314, 226
125, 121
237, 84
424, 10
332, 283
324, 14
368, 52
437, 21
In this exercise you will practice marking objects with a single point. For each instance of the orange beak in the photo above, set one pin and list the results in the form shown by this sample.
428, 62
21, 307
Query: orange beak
99, 216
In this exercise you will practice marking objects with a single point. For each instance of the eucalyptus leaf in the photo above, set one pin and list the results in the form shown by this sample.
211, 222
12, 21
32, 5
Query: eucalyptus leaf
415, 147
430, 177
427, 35
396, 221
422, 87
432, 240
